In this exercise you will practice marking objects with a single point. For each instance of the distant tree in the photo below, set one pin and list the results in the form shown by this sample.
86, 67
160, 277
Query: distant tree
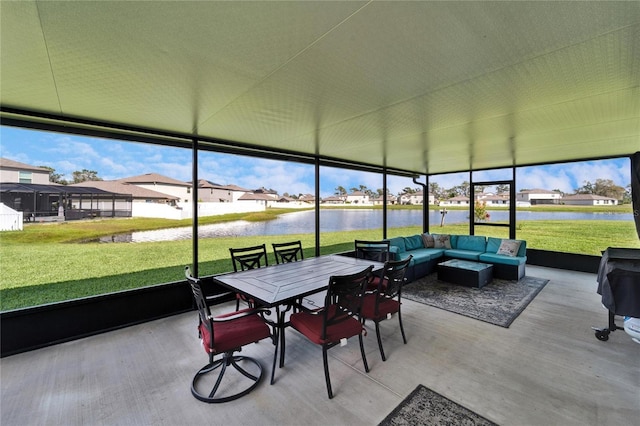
502, 188
340, 190
608, 188
626, 198
363, 189
85, 175
367, 191
559, 191
586, 188
408, 190
479, 189
55, 177
460, 190
438, 192
602, 187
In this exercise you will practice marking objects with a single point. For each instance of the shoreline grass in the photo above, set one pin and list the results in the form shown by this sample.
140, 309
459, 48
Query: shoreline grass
45, 263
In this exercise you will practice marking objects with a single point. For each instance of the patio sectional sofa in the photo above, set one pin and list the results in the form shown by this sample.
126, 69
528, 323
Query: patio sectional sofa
508, 257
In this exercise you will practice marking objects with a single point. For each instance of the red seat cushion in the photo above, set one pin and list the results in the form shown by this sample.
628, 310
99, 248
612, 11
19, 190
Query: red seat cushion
311, 326
234, 333
387, 306
373, 285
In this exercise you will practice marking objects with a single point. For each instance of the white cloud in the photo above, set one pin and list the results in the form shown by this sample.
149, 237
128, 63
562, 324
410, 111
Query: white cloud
569, 176
116, 159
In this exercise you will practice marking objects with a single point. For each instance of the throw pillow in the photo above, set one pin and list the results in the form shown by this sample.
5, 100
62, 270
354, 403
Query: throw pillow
427, 240
509, 247
442, 241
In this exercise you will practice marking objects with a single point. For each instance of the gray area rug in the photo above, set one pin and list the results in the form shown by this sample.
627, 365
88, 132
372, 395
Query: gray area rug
426, 407
499, 302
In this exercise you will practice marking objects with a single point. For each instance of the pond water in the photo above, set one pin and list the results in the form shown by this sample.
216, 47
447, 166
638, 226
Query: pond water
343, 220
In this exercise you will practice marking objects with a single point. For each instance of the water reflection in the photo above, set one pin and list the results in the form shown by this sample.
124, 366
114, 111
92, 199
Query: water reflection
341, 220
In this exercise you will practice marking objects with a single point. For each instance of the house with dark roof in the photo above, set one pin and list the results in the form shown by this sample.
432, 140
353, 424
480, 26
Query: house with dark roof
211, 192
491, 199
25, 188
334, 199
12, 171
416, 198
159, 183
259, 199
378, 200
538, 196
588, 200
357, 197
307, 198
270, 192
459, 200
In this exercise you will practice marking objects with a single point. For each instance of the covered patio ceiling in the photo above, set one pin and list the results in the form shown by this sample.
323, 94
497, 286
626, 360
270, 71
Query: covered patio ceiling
422, 87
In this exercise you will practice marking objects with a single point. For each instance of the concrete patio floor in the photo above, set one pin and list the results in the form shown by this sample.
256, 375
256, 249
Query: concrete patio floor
546, 369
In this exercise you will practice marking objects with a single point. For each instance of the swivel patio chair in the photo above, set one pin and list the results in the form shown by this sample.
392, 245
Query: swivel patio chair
248, 258
288, 252
227, 334
378, 251
338, 320
386, 300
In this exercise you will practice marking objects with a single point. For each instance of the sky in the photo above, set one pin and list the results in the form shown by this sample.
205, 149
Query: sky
114, 160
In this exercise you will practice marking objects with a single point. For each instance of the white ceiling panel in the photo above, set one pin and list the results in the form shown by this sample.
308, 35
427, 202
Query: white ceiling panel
426, 87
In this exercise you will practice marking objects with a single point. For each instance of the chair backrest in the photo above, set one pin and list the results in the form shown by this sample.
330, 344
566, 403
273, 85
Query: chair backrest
344, 297
203, 309
372, 250
393, 277
249, 257
288, 252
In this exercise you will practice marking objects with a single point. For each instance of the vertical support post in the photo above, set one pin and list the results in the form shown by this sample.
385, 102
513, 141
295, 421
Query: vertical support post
425, 205
425, 219
512, 205
194, 204
384, 203
317, 209
472, 203
35, 205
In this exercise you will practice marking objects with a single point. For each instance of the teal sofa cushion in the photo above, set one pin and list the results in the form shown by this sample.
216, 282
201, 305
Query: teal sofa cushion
413, 242
474, 243
398, 242
493, 244
502, 259
422, 255
463, 254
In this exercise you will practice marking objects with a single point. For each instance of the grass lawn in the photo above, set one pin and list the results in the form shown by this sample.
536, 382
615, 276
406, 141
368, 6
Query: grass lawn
46, 263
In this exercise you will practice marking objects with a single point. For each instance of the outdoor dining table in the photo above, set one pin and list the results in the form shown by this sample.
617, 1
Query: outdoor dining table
282, 286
